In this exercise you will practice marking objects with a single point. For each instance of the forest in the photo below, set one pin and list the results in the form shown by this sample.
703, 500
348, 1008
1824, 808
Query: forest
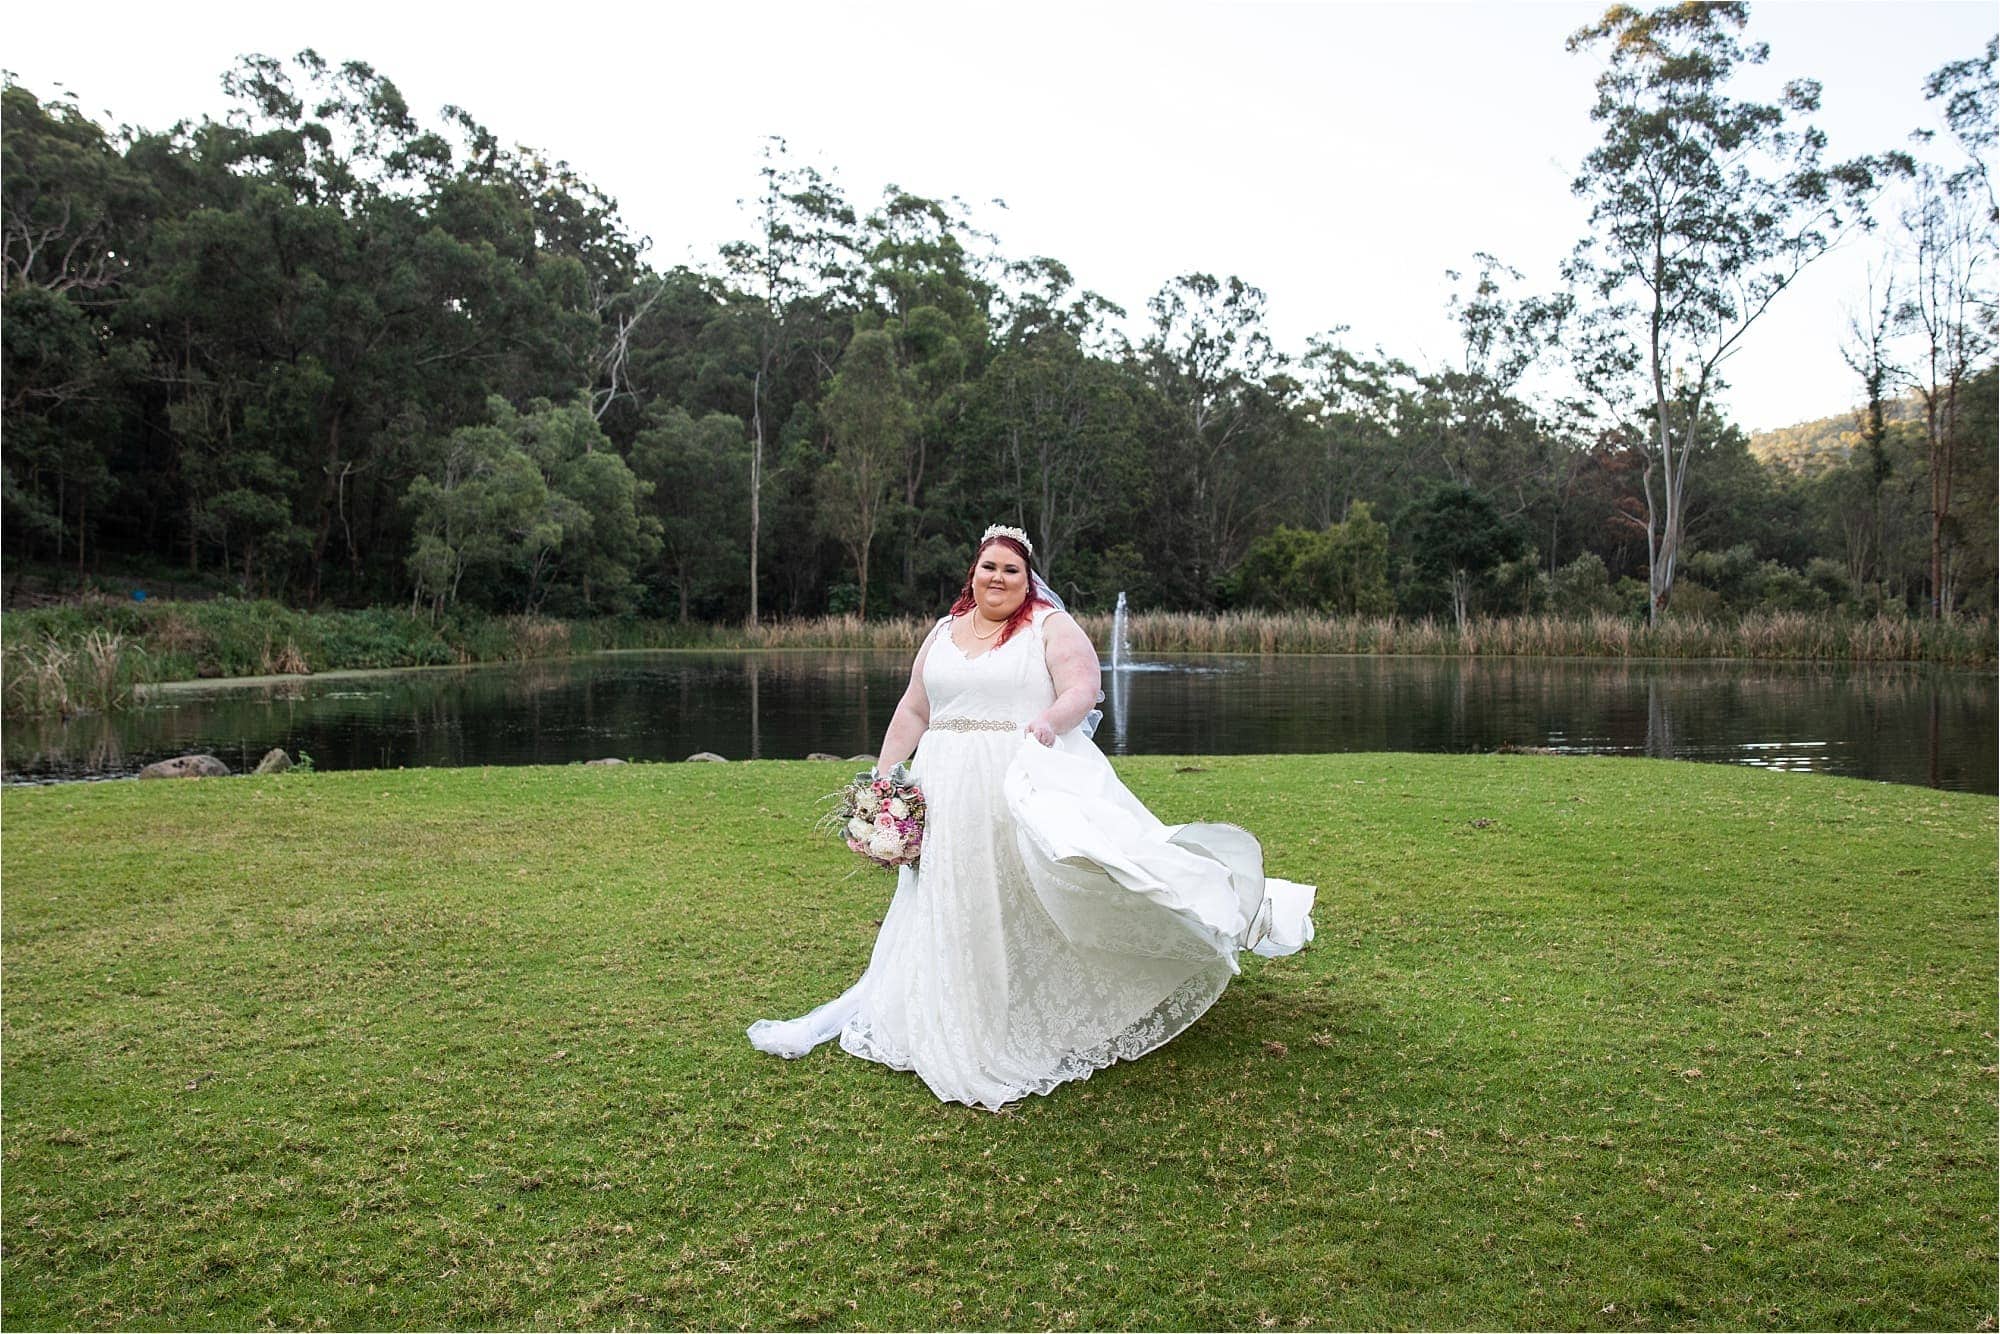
330, 351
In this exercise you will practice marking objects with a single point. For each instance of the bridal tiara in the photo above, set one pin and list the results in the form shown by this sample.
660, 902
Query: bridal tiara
1002, 530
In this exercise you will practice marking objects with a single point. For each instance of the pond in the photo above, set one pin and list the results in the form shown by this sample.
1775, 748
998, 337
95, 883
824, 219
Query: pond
1895, 723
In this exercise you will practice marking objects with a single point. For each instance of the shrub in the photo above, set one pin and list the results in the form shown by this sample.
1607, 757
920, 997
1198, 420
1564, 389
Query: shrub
1583, 588
1783, 589
1731, 575
1343, 568
1830, 578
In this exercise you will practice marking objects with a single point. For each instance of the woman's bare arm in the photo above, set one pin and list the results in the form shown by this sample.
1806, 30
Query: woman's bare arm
913, 714
1073, 667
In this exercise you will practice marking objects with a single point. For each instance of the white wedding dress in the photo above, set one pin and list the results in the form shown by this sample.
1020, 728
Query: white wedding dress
1053, 924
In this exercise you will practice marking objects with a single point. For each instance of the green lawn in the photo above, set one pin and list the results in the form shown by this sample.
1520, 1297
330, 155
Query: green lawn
1582, 1043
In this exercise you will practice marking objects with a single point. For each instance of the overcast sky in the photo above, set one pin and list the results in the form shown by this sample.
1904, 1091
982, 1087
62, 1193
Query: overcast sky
1340, 156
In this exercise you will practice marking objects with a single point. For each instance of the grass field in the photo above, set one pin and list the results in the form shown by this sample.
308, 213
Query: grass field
1582, 1043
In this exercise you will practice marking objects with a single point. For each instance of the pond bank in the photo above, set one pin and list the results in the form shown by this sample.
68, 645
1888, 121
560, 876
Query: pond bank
92, 654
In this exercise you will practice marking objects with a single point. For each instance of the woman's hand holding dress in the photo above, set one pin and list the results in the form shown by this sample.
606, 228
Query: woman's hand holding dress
1074, 670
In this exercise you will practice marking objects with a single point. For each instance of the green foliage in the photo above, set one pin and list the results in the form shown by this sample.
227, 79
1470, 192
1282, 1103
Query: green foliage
1342, 569
1583, 588
695, 472
448, 1033
1810, 448
1739, 582
869, 414
317, 351
1066, 427
537, 508
1704, 207
1457, 541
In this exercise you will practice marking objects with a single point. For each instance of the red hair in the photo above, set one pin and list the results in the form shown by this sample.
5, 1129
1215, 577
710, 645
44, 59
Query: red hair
1023, 613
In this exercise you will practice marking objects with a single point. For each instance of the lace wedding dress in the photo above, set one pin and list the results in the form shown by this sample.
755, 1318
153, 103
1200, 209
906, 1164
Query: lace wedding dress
1053, 925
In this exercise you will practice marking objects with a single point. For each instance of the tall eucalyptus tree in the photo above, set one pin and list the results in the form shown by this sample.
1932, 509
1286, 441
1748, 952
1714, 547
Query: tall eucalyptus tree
1704, 209
802, 259
1222, 421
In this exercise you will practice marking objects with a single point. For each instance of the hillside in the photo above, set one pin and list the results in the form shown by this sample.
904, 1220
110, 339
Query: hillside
1812, 446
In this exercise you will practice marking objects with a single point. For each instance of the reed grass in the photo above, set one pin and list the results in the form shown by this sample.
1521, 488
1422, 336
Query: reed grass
90, 654
1775, 636
49, 677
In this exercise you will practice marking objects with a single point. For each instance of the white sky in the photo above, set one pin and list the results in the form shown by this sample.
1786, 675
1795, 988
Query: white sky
1341, 156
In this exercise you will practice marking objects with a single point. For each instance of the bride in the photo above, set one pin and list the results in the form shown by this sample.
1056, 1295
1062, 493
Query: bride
1053, 924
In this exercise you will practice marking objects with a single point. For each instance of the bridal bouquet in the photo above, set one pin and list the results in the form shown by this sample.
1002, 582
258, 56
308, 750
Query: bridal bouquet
881, 817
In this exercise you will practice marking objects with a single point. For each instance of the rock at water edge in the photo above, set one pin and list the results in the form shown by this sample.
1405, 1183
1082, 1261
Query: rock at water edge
187, 766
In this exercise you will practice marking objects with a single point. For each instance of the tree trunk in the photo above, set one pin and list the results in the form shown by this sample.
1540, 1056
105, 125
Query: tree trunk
1937, 546
756, 483
913, 487
327, 504
862, 562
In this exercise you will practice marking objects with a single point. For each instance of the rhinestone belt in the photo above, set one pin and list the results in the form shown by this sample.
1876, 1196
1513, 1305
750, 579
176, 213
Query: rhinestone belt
974, 725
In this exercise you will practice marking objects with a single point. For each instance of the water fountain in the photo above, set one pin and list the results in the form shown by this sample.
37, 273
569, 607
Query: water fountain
1119, 652
1118, 644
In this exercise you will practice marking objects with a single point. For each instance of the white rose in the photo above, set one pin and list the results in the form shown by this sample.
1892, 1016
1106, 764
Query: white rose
860, 828
868, 800
899, 808
885, 843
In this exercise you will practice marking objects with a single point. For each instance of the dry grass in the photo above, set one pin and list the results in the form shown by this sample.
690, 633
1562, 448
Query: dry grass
1766, 635
838, 632
59, 660
50, 678
538, 636
283, 660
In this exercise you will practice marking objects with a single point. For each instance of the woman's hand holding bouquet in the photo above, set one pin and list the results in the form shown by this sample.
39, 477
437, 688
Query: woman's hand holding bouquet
881, 817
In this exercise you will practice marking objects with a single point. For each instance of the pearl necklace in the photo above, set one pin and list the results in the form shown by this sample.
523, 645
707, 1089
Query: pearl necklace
975, 628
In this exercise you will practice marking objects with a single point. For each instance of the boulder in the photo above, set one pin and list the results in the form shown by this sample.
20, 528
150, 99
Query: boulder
275, 761
706, 757
861, 759
187, 766
604, 761
823, 757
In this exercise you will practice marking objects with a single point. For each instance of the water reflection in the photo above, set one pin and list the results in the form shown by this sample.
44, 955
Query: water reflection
1889, 722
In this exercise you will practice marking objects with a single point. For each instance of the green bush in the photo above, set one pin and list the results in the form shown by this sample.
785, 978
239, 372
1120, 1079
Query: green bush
1785, 589
1733, 575
1342, 569
1583, 588
376, 637
1830, 578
